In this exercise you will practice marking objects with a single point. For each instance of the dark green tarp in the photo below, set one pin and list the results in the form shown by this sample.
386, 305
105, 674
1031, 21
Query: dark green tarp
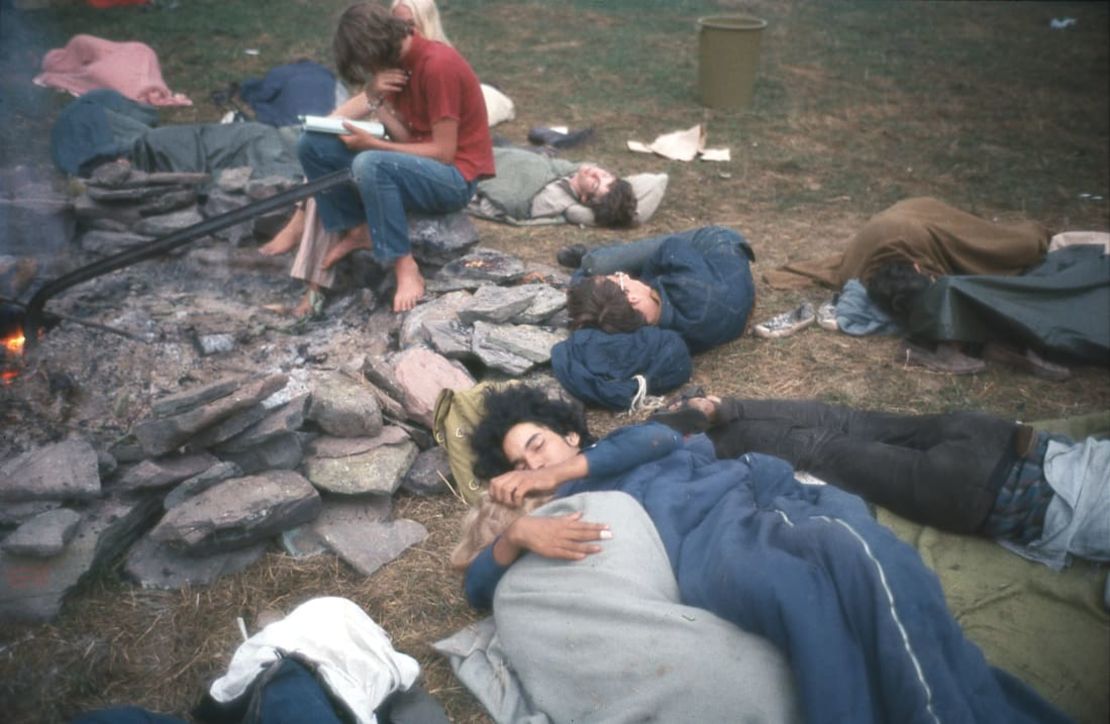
1061, 307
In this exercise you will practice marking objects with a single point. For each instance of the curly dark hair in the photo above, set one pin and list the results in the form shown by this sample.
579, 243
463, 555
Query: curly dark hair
896, 287
508, 407
599, 302
367, 40
617, 208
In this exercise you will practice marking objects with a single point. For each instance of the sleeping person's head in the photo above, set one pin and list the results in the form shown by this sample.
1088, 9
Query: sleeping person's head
524, 429
613, 303
896, 287
610, 198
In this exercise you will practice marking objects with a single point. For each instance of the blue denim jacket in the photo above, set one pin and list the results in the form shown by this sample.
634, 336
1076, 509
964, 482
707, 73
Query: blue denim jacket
705, 289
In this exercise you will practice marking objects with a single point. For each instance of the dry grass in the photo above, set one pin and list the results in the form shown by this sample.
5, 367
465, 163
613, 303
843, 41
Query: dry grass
858, 104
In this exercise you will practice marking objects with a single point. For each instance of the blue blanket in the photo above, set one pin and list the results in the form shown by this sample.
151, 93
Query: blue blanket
861, 619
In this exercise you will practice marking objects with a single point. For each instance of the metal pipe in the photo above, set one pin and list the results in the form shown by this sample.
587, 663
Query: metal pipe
141, 252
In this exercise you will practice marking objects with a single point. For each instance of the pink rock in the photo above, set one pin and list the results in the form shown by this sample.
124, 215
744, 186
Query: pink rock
421, 374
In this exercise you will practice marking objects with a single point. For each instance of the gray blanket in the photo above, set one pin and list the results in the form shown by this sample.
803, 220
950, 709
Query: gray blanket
605, 639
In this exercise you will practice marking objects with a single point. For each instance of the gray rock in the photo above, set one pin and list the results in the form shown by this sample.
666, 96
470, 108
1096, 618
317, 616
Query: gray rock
220, 202
428, 472
33, 589
451, 338
337, 515
547, 301
369, 546
444, 308
190, 399
493, 355
238, 513
45, 535
133, 194
344, 407
480, 266
285, 419
436, 240
497, 305
110, 174
197, 484
513, 348
162, 435
229, 428
157, 565
106, 464
163, 224
234, 179
109, 242
168, 201
163, 472
263, 188
158, 178
282, 452
127, 450
124, 215
421, 374
15, 514
341, 447
377, 471
62, 471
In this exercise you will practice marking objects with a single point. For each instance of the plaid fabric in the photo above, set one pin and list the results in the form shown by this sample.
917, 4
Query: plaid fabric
1019, 509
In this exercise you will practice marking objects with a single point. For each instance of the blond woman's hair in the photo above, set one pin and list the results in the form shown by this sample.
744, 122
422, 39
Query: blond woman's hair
425, 17
484, 522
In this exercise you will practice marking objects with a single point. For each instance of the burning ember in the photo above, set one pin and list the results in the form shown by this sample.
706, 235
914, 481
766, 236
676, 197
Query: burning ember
11, 350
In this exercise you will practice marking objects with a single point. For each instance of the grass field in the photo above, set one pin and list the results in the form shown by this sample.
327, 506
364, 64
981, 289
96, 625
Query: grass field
857, 105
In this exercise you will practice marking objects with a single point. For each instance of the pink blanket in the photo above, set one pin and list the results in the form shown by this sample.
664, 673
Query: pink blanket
88, 63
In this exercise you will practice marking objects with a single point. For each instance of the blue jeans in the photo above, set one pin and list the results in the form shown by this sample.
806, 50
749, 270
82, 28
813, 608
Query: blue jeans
387, 185
630, 257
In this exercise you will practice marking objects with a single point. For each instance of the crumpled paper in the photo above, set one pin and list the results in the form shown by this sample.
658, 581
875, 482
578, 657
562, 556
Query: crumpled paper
682, 146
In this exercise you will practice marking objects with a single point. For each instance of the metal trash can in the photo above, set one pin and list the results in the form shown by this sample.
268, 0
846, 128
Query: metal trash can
728, 55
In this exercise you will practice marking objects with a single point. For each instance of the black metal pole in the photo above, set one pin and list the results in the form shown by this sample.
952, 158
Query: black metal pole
141, 252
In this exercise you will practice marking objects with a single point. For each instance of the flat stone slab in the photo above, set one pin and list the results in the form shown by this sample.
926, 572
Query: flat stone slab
163, 472
450, 337
45, 535
110, 242
514, 348
341, 447
546, 302
163, 224
283, 452
343, 406
15, 514
197, 484
238, 513
156, 565
285, 419
497, 305
421, 374
377, 471
65, 470
227, 429
479, 267
161, 435
369, 546
338, 515
33, 589
190, 399
443, 308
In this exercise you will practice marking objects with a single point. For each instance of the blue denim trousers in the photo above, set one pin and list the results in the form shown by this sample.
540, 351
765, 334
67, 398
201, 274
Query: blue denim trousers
630, 257
387, 185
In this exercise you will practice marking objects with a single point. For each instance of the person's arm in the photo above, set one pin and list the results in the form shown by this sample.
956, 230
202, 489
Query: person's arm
621, 450
564, 537
442, 146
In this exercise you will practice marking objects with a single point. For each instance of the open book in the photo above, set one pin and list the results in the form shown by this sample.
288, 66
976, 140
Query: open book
324, 124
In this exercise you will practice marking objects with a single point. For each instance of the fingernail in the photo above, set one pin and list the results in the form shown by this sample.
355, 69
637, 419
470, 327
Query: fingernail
605, 535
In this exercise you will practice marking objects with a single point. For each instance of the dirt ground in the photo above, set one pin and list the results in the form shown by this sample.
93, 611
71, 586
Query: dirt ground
857, 105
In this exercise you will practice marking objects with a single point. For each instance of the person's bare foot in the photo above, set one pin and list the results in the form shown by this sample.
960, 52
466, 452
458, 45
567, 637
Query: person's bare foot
410, 284
303, 308
355, 239
288, 238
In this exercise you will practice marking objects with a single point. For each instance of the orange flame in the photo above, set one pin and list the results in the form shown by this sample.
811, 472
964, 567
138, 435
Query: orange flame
14, 344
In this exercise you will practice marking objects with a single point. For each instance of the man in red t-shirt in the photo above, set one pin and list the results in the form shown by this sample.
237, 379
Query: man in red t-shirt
431, 105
